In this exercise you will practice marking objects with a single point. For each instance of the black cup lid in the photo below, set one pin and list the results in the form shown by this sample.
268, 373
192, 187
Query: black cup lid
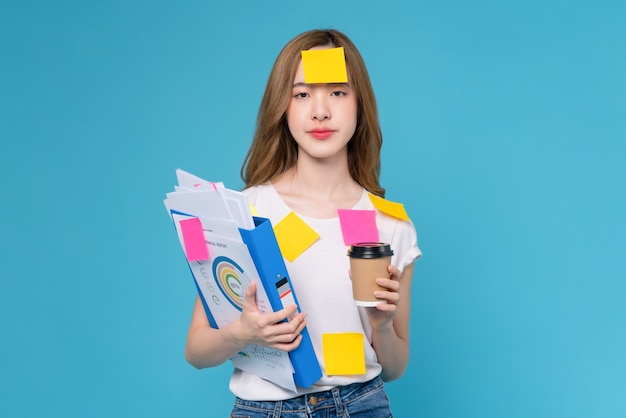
370, 250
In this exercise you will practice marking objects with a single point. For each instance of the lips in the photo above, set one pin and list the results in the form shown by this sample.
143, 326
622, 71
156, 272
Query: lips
321, 133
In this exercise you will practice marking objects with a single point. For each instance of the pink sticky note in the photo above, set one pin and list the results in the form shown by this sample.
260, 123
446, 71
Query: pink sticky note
358, 225
193, 239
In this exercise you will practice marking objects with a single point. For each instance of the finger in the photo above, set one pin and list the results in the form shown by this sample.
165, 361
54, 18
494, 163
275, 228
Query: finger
290, 346
387, 307
275, 337
390, 284
391, 297
249, 301
393, 271
281, 316
292, 327
286, 313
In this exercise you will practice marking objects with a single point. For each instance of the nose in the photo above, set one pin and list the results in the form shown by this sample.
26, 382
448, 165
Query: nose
320, 110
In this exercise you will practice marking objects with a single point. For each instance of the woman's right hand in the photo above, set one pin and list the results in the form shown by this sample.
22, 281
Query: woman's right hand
269, 329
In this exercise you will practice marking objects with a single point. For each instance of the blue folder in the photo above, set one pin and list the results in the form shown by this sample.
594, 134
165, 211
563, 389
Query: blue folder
270, 265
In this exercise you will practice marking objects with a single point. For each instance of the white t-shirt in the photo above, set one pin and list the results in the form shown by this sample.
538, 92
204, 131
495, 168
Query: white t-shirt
322, 285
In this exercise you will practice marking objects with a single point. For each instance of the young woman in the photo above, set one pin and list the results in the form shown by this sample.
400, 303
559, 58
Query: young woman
316, 150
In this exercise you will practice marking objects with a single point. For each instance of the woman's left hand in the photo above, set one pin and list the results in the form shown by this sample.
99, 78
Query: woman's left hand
383, 314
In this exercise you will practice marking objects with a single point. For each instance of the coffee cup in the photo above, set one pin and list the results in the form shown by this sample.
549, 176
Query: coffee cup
368, 261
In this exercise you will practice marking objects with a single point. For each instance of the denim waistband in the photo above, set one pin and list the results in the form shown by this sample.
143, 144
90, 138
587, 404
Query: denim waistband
337, 399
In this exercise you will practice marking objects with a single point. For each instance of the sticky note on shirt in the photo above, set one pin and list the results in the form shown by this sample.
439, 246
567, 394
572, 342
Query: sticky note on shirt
253, 210
324, 66
344, 354
294, 236
358, 225
193, 240
389, 208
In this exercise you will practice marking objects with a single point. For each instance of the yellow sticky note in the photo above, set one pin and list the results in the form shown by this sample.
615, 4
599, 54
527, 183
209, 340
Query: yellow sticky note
343, 353
253, 210
390, 208
324, 66
294, 236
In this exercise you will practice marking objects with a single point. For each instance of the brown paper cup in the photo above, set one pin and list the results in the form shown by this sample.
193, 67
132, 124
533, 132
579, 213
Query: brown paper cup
368, 261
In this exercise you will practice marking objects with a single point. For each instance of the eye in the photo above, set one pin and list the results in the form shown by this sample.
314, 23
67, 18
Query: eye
338, 93
300, 95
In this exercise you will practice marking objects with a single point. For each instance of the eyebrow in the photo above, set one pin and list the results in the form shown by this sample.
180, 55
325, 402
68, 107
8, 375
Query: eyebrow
302, 84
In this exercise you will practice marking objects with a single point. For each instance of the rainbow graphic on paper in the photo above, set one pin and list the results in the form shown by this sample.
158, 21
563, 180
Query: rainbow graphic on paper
231, 280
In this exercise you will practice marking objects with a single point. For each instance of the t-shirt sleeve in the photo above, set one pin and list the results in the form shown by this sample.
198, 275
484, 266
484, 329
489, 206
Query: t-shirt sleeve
404, 244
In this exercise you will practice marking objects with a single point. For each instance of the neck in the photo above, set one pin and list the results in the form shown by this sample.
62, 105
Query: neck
318, 178
317, 189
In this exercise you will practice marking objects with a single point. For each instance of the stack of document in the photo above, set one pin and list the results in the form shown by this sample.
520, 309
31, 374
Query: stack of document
227, 249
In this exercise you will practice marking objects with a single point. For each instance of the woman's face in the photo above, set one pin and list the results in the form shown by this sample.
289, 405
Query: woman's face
321, 117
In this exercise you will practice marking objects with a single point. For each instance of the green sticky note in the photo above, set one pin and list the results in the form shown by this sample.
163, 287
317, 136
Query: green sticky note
344, 353
294, 236
324, 66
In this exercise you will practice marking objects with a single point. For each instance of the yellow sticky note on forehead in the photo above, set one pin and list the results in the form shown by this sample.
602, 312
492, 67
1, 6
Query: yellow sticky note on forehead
389, 208
324, 66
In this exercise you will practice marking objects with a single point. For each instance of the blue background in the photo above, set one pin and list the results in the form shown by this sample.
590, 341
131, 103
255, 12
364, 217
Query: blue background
505, 135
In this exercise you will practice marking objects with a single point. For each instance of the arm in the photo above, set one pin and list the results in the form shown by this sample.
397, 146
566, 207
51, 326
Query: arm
207, 347
390, 323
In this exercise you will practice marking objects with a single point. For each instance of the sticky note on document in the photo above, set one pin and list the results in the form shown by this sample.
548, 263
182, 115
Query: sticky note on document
324, 66
193, 239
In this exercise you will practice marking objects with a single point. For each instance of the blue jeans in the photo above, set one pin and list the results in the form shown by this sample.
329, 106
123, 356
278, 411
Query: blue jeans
365, 400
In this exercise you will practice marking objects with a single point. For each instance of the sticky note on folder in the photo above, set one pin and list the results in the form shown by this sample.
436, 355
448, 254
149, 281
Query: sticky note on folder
324, 66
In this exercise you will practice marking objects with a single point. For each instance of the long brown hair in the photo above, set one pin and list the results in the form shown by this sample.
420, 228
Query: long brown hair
273, 149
